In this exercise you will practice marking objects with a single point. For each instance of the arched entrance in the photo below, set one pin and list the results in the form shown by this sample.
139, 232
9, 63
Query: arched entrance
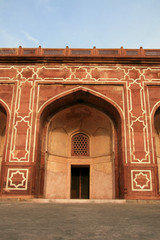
157, 140
79, 154
3, 121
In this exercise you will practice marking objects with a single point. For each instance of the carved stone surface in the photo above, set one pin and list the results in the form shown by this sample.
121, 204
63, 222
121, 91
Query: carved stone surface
122, 85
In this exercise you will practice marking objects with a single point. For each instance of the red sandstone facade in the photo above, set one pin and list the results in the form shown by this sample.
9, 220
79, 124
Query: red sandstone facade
47, 96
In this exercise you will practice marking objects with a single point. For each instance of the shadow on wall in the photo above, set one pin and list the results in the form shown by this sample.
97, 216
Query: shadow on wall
3, 119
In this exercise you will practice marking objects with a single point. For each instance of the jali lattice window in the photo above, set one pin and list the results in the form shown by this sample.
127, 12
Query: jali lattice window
80, 145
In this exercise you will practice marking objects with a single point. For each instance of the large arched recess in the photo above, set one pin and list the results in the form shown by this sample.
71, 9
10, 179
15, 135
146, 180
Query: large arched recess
4, 114
85, 97
156, 142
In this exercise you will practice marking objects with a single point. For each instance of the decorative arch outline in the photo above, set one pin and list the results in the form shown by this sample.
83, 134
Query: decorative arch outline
5, 106
155, 108
83, 89
152, 115
89, 97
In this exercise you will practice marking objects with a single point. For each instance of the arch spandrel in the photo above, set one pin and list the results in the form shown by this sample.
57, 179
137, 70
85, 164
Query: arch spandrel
81, 94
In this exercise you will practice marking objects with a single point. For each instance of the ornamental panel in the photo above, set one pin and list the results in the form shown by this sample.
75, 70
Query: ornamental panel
141, 180
137, 120
17, 179
21, 134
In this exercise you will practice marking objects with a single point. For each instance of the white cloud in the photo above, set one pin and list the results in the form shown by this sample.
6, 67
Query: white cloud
30, 38
8, 39
11, 40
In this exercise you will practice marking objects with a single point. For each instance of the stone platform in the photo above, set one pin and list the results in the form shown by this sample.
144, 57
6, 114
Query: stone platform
77, 201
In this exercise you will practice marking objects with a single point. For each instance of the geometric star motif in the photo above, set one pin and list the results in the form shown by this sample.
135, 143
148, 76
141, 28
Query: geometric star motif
17, 179
141, 180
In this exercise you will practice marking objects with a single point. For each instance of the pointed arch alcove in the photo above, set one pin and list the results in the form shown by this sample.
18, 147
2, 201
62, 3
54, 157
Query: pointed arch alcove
3, 125
80, 113
157, 141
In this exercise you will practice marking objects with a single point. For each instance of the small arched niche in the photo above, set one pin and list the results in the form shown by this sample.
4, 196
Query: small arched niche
78, 137
157, 140
3, 120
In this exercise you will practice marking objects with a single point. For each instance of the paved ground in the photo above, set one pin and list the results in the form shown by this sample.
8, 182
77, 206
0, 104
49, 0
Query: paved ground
30, 221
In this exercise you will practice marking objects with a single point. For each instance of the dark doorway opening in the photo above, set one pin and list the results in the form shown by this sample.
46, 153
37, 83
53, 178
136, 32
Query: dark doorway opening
80, 182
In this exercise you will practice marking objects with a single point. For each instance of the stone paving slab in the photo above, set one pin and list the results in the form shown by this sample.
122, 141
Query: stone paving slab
52, 221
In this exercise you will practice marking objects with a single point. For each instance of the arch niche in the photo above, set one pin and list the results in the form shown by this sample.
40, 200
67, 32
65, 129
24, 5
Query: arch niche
3, 121
157, 140
78, 152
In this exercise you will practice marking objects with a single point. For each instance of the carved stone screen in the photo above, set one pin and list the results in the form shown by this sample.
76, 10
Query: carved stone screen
80, 145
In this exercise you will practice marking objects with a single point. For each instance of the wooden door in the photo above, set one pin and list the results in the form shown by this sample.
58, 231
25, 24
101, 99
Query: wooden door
80, 182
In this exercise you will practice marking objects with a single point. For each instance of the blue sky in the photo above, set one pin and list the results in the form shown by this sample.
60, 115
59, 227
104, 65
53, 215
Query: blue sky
80, 23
